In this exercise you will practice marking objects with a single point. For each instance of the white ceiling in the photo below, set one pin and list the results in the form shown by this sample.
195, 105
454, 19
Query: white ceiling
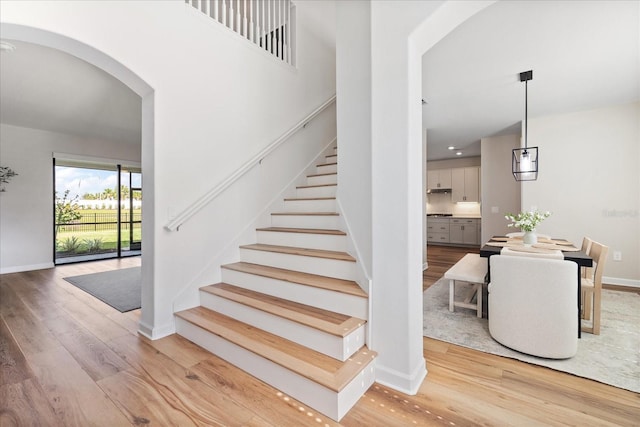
48, 89
584, 55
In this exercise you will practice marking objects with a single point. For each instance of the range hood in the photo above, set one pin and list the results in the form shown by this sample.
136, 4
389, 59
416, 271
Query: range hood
438, 190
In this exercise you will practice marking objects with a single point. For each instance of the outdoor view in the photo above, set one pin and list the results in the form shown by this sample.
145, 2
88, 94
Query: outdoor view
89, 222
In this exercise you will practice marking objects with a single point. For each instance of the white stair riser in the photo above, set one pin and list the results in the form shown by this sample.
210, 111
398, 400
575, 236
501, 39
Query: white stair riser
335, 150
313, 192
328, 168
332, 158
328, 242
328, 205
332, 404
325, 299
321, 266
322, 179
323, 222
333, 346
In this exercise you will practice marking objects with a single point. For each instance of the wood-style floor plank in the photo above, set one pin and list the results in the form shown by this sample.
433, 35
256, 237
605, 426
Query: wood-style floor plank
86, 365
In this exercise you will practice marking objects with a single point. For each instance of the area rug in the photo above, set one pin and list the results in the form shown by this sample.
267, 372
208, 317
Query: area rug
613, 357
118, 288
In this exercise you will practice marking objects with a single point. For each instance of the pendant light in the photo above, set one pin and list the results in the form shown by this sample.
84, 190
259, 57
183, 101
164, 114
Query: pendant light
524, 161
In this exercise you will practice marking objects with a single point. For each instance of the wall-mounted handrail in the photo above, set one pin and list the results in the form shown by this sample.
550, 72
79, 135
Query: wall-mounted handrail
204, 200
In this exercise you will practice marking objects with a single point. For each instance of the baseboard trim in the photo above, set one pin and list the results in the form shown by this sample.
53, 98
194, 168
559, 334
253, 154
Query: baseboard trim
407, 384
621, 282
21, 268
156, 333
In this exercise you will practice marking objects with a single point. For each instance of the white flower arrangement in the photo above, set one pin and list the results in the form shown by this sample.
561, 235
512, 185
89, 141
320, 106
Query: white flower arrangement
527, 221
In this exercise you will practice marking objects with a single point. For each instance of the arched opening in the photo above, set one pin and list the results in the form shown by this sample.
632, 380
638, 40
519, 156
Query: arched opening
116, 69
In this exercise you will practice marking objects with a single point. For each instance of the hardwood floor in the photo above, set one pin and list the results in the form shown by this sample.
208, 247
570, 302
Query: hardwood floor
68, 359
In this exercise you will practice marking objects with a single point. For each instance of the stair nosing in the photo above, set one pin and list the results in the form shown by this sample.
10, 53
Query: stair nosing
270, 348
296, 199
343, 329
315, 175
328, 164
292, 250
318, 185
306, 213
303, 231
347, 287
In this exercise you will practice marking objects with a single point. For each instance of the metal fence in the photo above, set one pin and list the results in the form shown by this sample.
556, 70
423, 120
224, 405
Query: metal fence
102, 221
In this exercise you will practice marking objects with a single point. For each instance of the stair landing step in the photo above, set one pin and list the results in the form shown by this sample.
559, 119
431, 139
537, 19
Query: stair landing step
322, 369
326, 321
329, 283
304, 230
290, 250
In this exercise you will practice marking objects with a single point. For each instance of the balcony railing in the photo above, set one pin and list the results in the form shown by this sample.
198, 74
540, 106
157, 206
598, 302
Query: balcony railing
266, 23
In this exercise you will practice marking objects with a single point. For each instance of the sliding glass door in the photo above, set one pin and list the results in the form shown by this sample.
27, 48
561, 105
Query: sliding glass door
97, 211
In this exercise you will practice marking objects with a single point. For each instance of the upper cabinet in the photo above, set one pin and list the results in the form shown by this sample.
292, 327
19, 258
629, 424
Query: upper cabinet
439, 179
465, 184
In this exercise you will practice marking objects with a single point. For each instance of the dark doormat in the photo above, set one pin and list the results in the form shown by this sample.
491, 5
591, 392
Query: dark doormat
119, 288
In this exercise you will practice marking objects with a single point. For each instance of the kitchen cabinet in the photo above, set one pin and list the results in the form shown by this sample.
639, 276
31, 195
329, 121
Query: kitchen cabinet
465, 184
439, 178
438, 230
463, 231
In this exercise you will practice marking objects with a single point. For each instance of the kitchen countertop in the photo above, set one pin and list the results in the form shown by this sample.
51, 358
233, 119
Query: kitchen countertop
455, 216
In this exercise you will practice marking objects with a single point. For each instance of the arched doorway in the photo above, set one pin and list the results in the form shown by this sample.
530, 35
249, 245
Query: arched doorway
116, 69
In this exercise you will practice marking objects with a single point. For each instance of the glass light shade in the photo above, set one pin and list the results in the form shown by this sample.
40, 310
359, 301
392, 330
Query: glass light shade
524, 164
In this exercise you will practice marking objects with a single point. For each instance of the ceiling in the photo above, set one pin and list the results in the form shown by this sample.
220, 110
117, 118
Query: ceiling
584, 55
47, 89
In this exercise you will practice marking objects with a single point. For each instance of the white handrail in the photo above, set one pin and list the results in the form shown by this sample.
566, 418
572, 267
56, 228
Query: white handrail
175, 223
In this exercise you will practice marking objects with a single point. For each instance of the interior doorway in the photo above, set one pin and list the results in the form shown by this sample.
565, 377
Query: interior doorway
97, 211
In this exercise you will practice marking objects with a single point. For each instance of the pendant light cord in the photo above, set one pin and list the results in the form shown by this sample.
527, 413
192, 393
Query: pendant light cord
526, 116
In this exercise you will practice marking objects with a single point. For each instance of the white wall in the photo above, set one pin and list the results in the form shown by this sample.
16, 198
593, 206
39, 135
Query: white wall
588, 177
500, 191
216, 101
26, 207
353, 81
401, 31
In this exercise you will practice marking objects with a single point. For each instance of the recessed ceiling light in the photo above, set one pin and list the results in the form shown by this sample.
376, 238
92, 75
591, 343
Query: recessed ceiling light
6, 47
459, 153
451, 147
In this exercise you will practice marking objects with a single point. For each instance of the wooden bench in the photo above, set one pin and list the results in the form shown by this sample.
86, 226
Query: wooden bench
470, 269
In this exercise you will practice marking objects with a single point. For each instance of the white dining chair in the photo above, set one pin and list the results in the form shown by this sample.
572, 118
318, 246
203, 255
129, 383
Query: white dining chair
532, 305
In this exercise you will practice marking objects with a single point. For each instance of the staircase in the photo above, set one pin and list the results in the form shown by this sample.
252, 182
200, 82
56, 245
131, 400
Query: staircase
290, 312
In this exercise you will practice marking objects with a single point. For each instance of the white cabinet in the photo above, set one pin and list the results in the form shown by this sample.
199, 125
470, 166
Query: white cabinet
465, 184
438, 230
439, 178
464, 231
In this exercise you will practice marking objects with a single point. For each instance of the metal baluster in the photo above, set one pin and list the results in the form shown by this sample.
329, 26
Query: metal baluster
268, 27
215, 9
223, 13
207, 5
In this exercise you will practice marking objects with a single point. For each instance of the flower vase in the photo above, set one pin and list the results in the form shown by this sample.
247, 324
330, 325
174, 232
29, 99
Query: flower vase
530, 238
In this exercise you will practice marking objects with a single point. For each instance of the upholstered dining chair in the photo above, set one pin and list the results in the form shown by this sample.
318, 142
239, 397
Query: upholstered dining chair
592, 288
532, 305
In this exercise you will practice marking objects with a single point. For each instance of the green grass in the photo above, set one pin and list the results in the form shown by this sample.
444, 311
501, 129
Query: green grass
108, 238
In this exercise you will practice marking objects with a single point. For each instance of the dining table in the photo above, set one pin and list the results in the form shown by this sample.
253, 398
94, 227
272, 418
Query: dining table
569, 252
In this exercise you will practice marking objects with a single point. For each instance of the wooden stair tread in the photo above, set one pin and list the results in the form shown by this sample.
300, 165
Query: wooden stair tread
323, 320
322, 369
307, 279
328, 164
307, 213
322, 174
304, 230
291, 250
318, 185
297, 199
